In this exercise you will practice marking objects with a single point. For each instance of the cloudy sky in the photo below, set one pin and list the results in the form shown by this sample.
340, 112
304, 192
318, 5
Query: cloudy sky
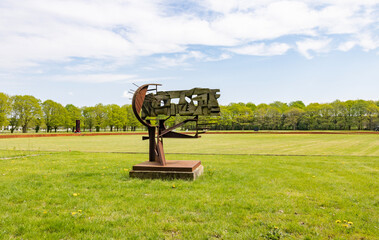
90, 51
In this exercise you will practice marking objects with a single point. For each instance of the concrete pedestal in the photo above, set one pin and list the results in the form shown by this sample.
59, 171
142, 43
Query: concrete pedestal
186, 170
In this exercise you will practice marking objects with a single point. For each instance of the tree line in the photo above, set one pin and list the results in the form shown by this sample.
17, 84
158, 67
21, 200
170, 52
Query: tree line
27, 112
338, 115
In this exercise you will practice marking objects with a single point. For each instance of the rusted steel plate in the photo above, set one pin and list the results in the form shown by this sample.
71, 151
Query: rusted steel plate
161, 156
140, 97
171, 165
137, 101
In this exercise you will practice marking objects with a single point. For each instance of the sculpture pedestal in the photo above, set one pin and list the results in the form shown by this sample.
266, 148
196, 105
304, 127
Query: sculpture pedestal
186, 170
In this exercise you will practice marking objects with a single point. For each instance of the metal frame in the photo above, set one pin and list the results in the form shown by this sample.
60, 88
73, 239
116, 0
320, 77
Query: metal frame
159, 131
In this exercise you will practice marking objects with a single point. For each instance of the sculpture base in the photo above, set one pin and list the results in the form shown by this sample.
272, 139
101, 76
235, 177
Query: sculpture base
186, 170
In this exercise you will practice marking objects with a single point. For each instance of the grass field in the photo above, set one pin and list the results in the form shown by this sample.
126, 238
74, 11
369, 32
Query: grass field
87, 193
281, 144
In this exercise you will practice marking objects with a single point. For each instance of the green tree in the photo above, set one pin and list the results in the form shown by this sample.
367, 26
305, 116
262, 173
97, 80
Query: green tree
26, 110
241, 115
100, 116
37, 123
338, 115
359, 108
89, 117
73, 114
273, 118
124, 117
292, 117
372, 114
325, 117
251, 105
5, 107
13, 120
260, 116
113, 116
297, 104
54, 115
312, 116
349, 114
132, 121
226, 118
281, 106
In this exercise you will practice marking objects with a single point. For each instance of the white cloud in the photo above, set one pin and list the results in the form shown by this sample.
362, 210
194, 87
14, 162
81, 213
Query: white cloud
346, 46
261, 49
95, 78
40, 32
367, 41
223, 56
182, 59
313, 45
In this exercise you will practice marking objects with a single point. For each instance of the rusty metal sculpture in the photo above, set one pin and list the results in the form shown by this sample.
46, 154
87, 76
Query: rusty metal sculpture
147, 105
152, 108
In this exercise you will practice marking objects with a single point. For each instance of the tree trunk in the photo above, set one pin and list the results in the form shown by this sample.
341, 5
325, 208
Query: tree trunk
24, 129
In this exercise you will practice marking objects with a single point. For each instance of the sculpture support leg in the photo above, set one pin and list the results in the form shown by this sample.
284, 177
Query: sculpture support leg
152, 145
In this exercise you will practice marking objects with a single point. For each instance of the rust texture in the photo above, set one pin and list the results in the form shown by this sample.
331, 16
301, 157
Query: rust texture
152, 108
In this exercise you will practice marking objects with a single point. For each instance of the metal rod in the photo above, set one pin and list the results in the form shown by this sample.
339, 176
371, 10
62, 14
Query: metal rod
152, 145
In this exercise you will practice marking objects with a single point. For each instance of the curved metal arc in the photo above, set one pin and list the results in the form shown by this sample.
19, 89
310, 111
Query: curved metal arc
137, 102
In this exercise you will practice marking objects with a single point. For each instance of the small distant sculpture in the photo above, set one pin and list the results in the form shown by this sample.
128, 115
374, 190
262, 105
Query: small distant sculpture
77, 127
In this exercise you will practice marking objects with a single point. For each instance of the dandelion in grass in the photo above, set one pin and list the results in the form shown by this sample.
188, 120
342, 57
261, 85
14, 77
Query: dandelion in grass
345, 225
125, 169
74, 213
79, 211
173, 185
350, 223
338, 221
44, 212
75, 194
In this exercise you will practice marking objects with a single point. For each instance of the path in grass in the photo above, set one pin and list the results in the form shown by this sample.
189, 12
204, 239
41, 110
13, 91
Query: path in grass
308, 144
76, 195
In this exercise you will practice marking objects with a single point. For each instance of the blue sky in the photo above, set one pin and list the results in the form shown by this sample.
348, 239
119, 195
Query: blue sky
87, 52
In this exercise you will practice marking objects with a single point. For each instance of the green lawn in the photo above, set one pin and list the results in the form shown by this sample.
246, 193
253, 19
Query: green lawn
281, 144
84, 195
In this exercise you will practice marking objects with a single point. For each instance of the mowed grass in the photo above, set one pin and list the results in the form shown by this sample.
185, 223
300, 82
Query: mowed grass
84, 195
280, 144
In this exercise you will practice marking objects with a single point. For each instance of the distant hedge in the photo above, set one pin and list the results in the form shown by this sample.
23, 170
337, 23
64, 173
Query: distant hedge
27, 112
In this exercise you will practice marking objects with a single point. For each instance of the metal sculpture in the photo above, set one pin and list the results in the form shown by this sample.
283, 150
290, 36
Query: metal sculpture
152, 108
